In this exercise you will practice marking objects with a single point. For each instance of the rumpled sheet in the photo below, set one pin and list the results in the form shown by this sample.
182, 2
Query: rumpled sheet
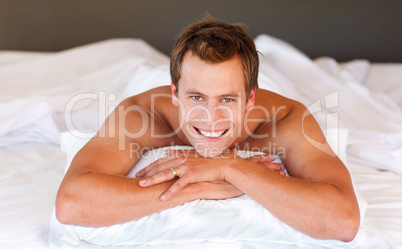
35, 90
124, 67
374, 120
224, 221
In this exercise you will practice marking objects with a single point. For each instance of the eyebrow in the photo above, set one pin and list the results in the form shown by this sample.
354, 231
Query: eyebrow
195, 92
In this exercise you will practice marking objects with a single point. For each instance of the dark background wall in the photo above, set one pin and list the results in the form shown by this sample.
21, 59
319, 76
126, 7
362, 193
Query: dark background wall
343, 29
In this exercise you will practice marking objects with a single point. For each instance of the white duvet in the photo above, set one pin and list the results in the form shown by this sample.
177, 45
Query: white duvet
115, 69
224, 221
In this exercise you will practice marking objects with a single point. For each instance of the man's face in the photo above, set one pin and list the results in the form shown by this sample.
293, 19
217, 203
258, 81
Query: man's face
212, 102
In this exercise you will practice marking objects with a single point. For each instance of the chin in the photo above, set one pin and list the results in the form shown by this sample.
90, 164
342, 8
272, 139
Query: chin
207, 148
207, 143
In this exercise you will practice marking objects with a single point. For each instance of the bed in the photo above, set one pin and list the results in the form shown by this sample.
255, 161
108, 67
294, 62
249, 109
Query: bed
51, 103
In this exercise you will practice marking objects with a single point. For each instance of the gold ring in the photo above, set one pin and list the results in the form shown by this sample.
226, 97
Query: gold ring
174, 172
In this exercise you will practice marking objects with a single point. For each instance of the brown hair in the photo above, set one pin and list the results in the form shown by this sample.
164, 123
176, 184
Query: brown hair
214, 42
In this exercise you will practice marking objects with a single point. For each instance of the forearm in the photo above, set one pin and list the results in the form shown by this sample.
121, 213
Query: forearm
111, 199
318, 209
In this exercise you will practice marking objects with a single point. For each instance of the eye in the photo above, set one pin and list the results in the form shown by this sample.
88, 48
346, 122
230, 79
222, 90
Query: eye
227, 100
196, 98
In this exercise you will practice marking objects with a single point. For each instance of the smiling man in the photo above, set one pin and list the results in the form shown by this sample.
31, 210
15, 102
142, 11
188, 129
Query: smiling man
214, 105
213, 100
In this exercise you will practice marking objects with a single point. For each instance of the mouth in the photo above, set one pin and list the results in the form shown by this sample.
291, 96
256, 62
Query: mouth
210, 134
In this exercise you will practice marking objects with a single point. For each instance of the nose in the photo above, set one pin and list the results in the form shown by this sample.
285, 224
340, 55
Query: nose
210, 113
218, 112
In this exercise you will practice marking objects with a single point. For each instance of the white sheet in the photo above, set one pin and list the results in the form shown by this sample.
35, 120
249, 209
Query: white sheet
31, 166
385, 79
375, 134
49, 82
231, 220
29, 178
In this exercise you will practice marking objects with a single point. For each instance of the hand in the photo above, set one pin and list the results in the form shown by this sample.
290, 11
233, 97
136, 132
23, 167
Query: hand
267, 161
160, 164
217, 190
190, 168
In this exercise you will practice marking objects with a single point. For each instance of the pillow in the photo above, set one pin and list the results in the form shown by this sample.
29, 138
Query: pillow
235, 219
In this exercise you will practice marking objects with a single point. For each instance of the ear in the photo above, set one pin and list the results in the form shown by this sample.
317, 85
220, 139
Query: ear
174, 96
251, 99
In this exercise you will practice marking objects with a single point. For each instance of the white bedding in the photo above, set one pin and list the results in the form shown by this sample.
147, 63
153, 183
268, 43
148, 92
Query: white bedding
35, 89
235, 219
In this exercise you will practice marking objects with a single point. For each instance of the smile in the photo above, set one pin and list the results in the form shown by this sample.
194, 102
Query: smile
211, 134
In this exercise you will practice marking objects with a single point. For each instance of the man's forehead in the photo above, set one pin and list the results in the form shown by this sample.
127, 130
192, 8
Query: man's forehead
211, 79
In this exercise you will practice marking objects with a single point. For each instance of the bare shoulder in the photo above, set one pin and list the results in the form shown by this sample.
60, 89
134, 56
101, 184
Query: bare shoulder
155, 102
271, 121
290, 119
277, 109
148, 116
269, 99
296, 133
159, 97
132, 128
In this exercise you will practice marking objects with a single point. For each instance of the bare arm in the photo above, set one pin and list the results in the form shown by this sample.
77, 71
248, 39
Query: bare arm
317, 200
320, 209
96, 192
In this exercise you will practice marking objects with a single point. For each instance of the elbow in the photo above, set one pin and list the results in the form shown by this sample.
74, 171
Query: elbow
71, 202
348, 226
64, 209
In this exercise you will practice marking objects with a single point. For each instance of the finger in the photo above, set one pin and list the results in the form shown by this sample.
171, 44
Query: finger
254, 159
179, 184
282, 172
172, 163
274, 166
163, 165
145, 170
262, 158
162, 176
154, 167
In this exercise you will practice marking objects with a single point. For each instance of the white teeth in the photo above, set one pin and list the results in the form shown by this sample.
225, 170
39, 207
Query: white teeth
211, 134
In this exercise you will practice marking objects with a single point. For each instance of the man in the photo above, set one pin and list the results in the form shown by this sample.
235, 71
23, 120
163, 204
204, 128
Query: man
213, 104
